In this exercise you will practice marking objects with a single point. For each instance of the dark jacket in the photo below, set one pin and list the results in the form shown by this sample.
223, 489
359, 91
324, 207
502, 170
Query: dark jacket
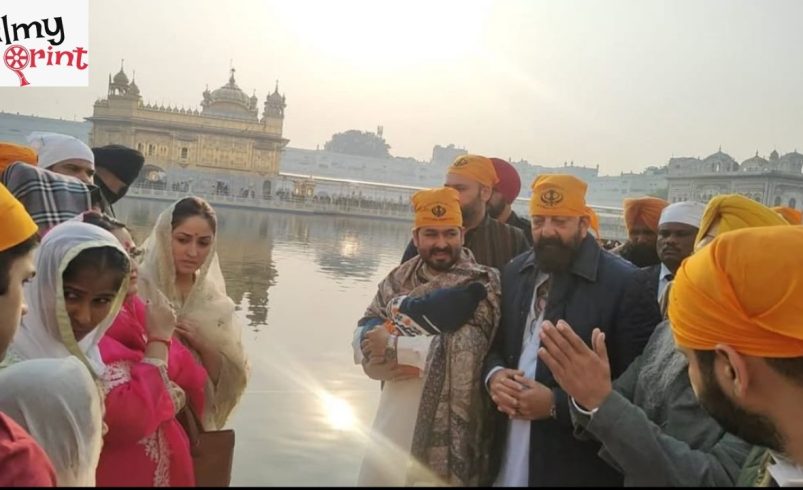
649, 277
522, 224
599, 291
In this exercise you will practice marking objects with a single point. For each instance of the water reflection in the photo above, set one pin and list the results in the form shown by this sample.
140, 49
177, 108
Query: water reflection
300, 283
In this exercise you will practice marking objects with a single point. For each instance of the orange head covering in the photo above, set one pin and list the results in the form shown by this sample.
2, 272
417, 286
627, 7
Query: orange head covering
645, 211
15, 222
476, 168
593, 221
791, 215
558, 195
733, 212
437, 207
10, 153
743, 290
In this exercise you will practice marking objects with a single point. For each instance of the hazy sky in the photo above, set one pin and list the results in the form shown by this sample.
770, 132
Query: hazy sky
623, 84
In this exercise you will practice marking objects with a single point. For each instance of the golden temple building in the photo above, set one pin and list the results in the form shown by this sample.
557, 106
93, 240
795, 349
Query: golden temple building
226, 135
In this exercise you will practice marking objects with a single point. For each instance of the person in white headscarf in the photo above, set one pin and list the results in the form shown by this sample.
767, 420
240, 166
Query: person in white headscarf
677, 229
80, 284
64, 154
59, 404
181, 262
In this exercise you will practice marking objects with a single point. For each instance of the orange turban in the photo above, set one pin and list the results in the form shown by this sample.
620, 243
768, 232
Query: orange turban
558, 195
593, 221
792, 216
476, 168
15, 221
645, 211
437, 207
735, 212
10, 153
743, 290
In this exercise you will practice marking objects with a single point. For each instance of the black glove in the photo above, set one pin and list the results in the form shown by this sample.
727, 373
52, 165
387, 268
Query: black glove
444, 310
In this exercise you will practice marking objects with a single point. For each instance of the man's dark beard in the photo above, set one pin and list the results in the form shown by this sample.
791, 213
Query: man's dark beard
753, 428
495, 211
441, 266
641, 255
553, 255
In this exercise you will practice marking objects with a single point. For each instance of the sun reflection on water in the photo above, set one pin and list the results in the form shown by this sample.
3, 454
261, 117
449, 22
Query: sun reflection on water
339, 414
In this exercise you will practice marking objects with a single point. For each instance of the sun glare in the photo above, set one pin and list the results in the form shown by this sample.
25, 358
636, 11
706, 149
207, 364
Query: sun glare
339, 414
388, 33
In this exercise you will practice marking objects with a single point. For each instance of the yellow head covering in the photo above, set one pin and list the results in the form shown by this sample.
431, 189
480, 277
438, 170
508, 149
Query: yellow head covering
791, 215
558, 195
475, 167
16, 224
735, 212
593, 221
743, 290
10, 153
437, 207
644, 210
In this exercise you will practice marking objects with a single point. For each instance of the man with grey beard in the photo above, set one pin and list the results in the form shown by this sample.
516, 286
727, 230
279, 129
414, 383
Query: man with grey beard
650, 424
651, 427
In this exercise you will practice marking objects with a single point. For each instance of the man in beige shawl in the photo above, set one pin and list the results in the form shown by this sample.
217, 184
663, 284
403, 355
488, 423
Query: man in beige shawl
432, 423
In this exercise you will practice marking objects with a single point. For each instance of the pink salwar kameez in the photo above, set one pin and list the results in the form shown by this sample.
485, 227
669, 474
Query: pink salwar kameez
145, 445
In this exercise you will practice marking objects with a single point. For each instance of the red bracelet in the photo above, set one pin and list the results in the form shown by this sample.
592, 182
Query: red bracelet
166, 342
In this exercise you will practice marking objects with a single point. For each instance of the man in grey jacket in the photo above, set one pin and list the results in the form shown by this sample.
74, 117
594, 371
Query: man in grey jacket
651, 427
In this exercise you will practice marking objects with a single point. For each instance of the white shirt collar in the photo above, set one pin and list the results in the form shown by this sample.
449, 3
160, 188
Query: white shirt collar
785, 472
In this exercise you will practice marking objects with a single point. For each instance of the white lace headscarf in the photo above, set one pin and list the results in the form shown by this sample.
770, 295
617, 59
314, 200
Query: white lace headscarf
207, 305
45, 331
59, 404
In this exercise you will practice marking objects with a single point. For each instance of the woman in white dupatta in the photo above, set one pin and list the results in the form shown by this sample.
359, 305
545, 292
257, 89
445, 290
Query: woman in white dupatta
71, 321
180, 261
80, 284
59, 404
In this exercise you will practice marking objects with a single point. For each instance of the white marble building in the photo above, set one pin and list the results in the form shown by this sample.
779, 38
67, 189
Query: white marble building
776, 181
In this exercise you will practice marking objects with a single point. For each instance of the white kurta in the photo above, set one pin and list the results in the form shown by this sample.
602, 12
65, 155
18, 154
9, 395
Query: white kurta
515, 471
387, 453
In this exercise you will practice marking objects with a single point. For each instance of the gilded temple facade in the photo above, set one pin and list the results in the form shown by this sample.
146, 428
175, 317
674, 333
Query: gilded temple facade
223, 144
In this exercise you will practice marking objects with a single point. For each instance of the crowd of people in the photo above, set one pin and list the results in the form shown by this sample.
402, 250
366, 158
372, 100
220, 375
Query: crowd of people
521, 353
111, 352
511, 351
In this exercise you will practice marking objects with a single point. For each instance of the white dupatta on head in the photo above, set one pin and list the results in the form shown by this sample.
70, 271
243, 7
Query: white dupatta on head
207, 305
59, 404
45, 331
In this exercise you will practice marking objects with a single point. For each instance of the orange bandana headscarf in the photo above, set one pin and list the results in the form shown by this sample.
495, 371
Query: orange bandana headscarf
10, 153
437, 207
476, 168
558, 195
15, 221
792, 216
743, 290
645, 211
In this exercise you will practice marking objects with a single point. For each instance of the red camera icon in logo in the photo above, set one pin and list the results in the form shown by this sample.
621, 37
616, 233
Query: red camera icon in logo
17, 58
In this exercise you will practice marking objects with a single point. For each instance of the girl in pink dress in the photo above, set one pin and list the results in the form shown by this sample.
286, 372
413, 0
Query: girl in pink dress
148, 380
